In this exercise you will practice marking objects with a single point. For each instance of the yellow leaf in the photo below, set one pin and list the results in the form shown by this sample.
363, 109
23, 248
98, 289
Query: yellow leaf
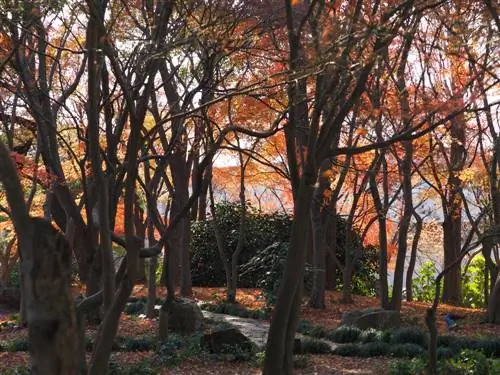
361, 132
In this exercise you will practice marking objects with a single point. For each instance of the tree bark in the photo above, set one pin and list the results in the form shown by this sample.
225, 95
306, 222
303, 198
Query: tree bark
52, 325
413, 258
382, 237
405, 166
279, 353
46, 269
494, 304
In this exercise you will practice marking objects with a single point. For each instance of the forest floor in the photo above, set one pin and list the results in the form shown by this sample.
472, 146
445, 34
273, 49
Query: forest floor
130, 326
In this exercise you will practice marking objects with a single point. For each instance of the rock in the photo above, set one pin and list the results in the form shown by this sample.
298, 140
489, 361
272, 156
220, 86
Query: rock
10, 297
221, 341
185, 317
381, 319
349, 317
372, 318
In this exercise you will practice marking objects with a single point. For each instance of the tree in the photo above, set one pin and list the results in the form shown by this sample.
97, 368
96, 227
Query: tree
313, 136
52, 323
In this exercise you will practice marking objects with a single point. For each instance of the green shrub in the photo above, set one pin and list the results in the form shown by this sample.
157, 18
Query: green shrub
347, 350
265, 229
366, 274
374, 349
415, 366
15, 277
371, 335
307, 328
167, 352
262, 314
133, 344
473, 283
260, 358
232, 353
494, 367
315, 347
407, 350
444, 352
141, 368
317, 331
18, 345
18, 370
268, 266
424, 284
263, 255
468, 362
301, 361
386, 336
344, 334
410, 335
304, 327
134, 308
490, 348
447, 341
191, 345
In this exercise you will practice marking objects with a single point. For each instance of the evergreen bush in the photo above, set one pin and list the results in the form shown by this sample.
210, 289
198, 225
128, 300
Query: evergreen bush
410, 335
315, 347
344, 334
374, 349
371, 335
409, 350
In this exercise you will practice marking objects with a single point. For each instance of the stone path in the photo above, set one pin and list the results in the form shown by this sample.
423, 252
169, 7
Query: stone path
255, 330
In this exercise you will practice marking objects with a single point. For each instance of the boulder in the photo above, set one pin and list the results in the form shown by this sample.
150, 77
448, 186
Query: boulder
185, 317
372, 318
350, 317
221, 341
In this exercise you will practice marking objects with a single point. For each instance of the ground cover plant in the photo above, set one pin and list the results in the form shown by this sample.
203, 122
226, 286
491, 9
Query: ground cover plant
137, 348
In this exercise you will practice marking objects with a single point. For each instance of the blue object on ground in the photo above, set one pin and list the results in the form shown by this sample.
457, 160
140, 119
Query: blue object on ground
450, 323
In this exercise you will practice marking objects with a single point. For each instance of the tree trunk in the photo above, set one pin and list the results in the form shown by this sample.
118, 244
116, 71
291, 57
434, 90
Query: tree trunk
430, 321
23, 314
46, 271
413, 259
108, 328
150, 306
405, 171
382, 237
178, 242
202, 205
220, 245
494, 304
152, 266
186, 283
279, 350
451, 246
319, 221
52, 325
